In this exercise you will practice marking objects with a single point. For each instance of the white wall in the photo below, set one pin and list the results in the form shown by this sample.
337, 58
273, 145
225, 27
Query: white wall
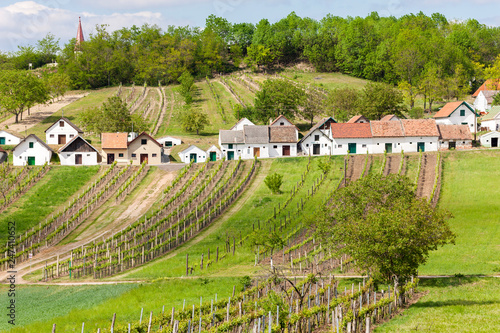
237, 149
492, 125
40, 152
409, 145
88, 158
10, 139
201, 156
486, 138
340, 146
481, 103
324, 142
56, 130
378, 146
175, 141
247, 150
276, 149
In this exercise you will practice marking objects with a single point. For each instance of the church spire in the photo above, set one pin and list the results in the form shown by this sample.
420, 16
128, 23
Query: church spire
79, 33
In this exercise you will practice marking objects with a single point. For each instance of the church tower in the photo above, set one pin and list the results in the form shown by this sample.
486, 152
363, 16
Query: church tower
79, 35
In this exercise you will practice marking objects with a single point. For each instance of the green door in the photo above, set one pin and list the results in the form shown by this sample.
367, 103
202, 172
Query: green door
31, 160
230, 155
388, 148
2, 140
193, 157
421, 146
352, 148
213, 156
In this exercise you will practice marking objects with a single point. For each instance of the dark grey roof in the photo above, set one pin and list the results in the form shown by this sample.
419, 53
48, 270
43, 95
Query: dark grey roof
228, 136
256, 134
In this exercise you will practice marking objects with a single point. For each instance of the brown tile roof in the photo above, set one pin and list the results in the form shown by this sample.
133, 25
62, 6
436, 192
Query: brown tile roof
356, 119
488, 85
348, 130
419, 127
282, 134
387, 129
454, 132
146, 135
114, 140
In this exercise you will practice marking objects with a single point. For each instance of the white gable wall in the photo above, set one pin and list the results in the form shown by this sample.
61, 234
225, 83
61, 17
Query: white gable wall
243, 122
456, 119
174, 141
486, 139
88, 158
52, 134
185, 155
39, 152
316, 137
481, 102
282, 122
9, 139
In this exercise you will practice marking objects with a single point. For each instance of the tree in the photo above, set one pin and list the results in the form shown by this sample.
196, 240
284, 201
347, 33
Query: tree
260, 55
314, 101
112, 116
20, 90
274, 182
278, 97
496, 100
57, 84
344, 102
186, 87
193, 119
383, 226
379, 99
48, 47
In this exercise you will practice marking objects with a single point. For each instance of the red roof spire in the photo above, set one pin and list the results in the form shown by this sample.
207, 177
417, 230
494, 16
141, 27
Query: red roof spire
79, 33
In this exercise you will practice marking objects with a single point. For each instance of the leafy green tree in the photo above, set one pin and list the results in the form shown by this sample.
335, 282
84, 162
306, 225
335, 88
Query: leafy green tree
48, 47
274, 181
57, 84
112, 116
278, 97
193, 119
379, 222
260, 55
313, 104
186, 88
20, 90
496, 100
344, 102
379, 99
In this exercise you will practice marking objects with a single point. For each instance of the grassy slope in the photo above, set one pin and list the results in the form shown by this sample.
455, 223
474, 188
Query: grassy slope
473, 200
45, 197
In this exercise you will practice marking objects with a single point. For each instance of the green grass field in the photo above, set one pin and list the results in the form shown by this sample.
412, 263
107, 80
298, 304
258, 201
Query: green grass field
55, 188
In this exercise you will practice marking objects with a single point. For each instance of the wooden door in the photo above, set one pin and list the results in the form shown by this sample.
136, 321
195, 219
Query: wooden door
111, 158
78, 159
494, 142
256, 151
31, 160
421, 146
286, 150
2, 140
144, 157
61, 139
230, 155
213, 156
352, 148
452, 145
316, 149
388, 148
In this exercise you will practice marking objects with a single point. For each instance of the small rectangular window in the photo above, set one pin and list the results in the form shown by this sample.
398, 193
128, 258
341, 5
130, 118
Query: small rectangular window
133, 155
120, 155
154, 155
52, 135
61, 123
31, 144
144, 141
462, 113
363, 146
340, 146
316, 138
230, 146
71, 135
275, 147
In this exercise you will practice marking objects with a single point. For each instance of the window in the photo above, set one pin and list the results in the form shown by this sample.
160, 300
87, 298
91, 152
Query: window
282, 123
307, 145
411, 142
275, 147
462, 113
239, 150
31, 144
121, 155
133, 155
144, 141
52, 135
316, 137
71, 135
248, 151
61, 123
68, 155
88, 154
378, 144
230, 146
395, 145
363, 146
340, 146
154, 155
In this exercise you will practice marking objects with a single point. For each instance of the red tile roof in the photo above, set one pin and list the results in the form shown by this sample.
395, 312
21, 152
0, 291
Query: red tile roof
387, 129
389, 117
419, 127
454, 132
356, 119
490, 84
348, 130
447, 109
114, 140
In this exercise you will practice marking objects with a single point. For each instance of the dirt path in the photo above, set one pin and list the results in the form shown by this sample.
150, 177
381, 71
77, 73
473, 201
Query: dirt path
94, 230
392, 164
427, 176
230, 90
39, 113
163, 111
216, 225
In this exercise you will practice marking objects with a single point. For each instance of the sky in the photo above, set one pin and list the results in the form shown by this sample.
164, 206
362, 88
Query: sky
23, 23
